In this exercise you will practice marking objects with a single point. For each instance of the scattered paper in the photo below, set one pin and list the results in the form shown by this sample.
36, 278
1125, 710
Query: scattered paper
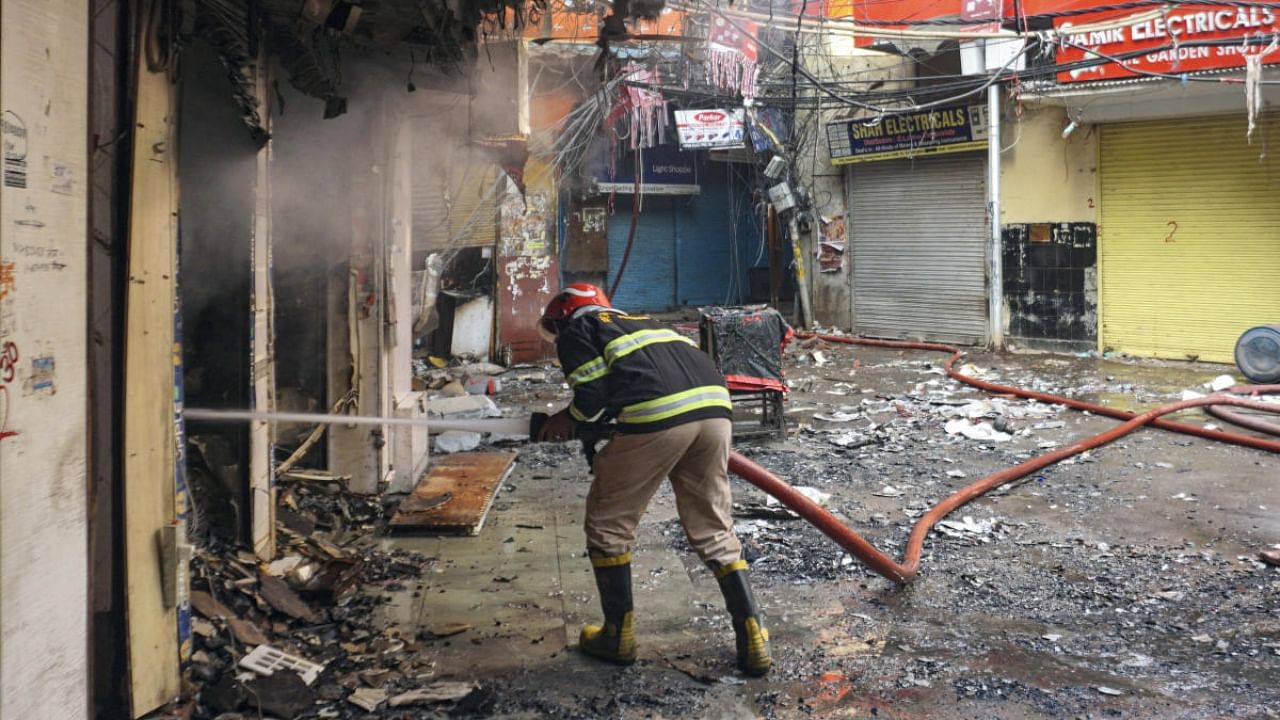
978, 431
813, 494
835, 417
967, 525
281, 567
1220, 383
367, 699
1109, 691
849, 439
453, 441
443, 691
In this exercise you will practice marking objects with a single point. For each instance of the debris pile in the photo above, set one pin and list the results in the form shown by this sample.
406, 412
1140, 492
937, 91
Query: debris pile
303, 636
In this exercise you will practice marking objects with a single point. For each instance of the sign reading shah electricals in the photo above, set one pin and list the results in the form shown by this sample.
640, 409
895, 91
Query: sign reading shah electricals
929, 132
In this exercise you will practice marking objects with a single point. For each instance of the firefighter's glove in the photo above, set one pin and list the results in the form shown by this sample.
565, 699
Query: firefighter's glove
558, 428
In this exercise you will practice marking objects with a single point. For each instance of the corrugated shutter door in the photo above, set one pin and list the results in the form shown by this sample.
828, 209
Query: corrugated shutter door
1189, 248
451, 186
648, 283
919, 236
474, 201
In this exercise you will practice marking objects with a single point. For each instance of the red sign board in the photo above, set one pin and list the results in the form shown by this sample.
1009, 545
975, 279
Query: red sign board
1168, 42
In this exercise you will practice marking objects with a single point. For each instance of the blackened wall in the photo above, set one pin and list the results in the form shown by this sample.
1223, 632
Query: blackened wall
1050, 285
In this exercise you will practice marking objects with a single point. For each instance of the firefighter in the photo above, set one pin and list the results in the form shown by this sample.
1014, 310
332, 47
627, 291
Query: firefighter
673, 419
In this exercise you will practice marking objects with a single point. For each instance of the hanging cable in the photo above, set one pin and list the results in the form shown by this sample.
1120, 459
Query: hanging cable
635, 219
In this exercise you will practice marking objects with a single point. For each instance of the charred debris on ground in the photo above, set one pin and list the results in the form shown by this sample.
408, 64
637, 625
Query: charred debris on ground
877, 445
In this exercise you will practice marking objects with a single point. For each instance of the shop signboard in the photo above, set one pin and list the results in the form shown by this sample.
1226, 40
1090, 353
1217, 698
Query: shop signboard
928, 132
666, 171
711, 129
1176, 40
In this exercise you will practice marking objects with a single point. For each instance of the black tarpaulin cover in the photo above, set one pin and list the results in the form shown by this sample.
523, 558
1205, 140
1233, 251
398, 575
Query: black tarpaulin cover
746, 344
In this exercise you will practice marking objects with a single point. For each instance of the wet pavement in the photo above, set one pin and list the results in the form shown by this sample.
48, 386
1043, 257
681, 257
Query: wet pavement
1122, 583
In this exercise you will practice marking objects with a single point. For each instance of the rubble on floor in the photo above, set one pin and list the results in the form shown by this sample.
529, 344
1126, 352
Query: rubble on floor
301, 636
1138, 580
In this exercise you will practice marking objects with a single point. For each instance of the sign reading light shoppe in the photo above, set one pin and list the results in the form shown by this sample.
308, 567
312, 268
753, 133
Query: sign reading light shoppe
931, 132
1165, 43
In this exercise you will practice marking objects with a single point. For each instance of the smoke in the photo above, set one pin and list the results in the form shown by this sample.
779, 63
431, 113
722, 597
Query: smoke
332, 185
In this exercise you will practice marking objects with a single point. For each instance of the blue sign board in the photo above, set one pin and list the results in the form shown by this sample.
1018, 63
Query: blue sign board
667, 171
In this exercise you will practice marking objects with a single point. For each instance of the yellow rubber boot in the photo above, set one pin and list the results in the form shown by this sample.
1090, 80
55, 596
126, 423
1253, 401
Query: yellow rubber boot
748, 627
615, 640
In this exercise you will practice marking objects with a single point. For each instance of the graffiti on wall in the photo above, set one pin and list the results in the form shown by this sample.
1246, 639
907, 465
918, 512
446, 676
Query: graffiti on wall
8, 368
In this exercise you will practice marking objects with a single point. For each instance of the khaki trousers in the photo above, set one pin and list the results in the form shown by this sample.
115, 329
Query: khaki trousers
629, 470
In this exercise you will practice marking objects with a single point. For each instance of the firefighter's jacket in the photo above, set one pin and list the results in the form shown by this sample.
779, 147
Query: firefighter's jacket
634, 370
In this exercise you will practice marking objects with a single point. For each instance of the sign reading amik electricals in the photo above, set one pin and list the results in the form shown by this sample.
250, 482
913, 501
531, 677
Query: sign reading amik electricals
929, 132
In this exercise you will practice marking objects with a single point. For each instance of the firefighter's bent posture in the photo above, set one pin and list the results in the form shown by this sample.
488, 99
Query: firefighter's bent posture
674, 420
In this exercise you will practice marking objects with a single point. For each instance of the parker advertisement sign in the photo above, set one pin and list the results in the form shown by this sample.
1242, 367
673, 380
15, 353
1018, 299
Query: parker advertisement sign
711, 129
1168, 43
931, 132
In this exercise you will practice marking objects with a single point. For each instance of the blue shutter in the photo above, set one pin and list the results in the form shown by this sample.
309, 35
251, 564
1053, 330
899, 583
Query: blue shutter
648, 281
697, 233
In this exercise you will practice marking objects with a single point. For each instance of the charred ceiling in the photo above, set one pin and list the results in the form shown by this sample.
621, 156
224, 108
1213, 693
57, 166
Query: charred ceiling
307, 37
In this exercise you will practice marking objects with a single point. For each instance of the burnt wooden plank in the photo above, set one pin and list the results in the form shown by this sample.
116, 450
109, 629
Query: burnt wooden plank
456, 494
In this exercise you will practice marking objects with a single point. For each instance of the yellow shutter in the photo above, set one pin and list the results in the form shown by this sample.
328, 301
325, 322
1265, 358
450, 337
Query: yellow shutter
473, 214
1189, 235
454, 201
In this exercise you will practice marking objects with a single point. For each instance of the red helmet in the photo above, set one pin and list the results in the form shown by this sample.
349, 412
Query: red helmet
569, 300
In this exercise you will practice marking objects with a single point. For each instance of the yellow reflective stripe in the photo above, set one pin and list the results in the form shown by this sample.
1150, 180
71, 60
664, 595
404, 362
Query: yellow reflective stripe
604, 561
593, 369
578, 415
627, 344
676, 404
733, 567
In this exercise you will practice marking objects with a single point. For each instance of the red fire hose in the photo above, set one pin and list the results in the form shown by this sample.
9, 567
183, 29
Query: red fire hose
905, 571
1236, 417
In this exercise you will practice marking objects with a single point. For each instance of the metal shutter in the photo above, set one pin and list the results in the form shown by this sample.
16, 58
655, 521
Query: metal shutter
919, 234
1189, 256
452, 185
648, 283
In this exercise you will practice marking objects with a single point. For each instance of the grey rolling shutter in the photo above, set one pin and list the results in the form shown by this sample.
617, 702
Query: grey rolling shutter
919, 236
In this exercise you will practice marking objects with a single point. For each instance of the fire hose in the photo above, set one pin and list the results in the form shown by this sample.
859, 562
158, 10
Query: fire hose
907, 570
1236, 417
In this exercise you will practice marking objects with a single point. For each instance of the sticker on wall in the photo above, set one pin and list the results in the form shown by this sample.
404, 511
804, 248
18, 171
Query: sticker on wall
14, 133
594, 220
8, 282
831, 247
40, 380
64, 180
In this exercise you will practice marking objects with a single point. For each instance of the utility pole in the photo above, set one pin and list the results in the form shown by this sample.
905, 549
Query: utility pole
802, 277
995, 272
